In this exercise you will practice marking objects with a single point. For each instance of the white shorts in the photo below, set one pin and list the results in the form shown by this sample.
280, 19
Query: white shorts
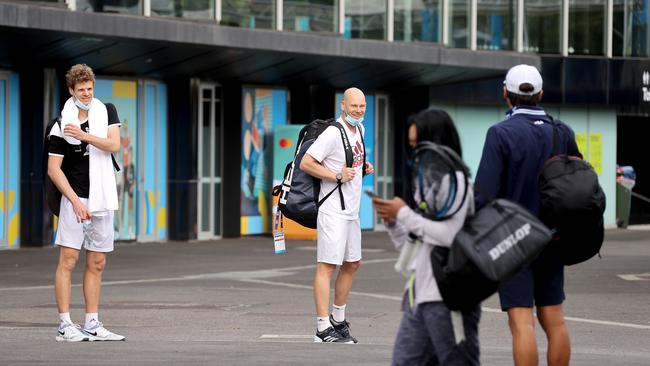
339, 239
95, 234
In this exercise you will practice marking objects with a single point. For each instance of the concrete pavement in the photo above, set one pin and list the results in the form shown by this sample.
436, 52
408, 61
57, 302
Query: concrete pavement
234, 302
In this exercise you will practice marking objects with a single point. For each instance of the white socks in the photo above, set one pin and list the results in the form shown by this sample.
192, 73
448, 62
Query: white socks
90, 319
323, 323
338, 313
65, 318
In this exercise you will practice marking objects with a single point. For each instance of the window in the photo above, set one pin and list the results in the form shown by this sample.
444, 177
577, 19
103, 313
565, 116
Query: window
248, 13
192, 9
417, 20
542, 26
365, 19
310, 15
459, 33
587, 27
495, 24
112, 6
631, 34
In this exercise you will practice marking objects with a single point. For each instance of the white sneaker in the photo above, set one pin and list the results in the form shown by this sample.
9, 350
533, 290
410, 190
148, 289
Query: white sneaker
98, 333
69, 332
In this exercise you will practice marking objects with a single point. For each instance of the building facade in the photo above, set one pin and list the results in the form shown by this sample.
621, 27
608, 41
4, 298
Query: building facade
207, 89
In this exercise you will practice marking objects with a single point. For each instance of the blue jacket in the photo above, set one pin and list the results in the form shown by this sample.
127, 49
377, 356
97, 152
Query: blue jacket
514, 153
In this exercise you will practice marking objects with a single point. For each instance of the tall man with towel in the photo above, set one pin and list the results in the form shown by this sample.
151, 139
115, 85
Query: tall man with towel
80, 165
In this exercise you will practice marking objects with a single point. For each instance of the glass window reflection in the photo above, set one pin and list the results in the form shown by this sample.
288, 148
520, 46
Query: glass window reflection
542, 26
417, 20
587, 27
310, 15
631, 36
192, 9
248, 13
459, 23
365, 19
495, 24
111, 6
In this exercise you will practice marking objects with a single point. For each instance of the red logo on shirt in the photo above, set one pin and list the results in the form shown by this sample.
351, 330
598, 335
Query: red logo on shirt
357, 155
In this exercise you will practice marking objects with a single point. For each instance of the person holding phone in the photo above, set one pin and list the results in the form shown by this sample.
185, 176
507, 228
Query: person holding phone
427, 334
338, 229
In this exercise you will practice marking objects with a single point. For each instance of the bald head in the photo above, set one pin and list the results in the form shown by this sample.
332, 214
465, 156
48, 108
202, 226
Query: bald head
353, 103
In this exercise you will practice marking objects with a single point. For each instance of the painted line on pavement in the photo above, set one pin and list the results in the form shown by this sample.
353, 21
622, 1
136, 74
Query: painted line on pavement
286, 336
234, 275
483, 308
635, 277
254, 277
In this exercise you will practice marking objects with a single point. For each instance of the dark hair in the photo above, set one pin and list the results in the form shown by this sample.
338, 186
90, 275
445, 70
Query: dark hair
522, 99
436, 125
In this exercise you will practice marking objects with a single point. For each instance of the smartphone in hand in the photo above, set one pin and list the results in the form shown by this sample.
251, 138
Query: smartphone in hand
370, 194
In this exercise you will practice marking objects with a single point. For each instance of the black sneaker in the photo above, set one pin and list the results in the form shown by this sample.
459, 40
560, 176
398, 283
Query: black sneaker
331, 335
343, 328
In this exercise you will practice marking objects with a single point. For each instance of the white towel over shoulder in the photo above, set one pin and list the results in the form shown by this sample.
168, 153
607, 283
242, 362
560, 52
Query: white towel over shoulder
102, 196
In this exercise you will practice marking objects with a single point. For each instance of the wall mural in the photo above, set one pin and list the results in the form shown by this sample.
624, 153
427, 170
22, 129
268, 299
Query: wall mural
9, 162
123, 94
262, 110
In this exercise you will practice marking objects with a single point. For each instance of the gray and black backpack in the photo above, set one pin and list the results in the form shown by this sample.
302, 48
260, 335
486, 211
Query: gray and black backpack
299, 192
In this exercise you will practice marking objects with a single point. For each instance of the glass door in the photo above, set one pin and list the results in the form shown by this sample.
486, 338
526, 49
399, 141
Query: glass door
384, 153
209, 170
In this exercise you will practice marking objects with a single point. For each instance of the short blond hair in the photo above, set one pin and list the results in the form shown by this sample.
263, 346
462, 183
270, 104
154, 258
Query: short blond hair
79, 73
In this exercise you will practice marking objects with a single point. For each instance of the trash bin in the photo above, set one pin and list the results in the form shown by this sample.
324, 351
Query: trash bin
623, 200
625, 179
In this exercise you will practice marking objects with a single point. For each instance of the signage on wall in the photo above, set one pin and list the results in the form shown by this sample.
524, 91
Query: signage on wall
645, 90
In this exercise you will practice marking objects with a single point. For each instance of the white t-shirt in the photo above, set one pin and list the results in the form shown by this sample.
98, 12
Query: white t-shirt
328, 150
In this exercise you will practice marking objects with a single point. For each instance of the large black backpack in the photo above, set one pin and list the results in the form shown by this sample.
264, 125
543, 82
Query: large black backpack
572, 203
52, 194
299, 192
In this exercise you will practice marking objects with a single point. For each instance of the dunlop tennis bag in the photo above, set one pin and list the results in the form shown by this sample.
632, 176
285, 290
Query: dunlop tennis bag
461, 284
299, 192
493, 245
502, 238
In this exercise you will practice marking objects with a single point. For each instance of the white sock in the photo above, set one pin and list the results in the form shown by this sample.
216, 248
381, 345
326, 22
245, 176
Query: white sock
90, 319
323, 323
338, 313
65, 318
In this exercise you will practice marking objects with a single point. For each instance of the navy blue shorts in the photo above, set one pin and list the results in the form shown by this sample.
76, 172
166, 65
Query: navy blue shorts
539, 284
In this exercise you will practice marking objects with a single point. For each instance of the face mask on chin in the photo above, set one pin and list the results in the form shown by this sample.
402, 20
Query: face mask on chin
85, 107
353, 121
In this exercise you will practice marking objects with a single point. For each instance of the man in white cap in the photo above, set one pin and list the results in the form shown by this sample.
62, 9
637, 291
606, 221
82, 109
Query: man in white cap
514, 153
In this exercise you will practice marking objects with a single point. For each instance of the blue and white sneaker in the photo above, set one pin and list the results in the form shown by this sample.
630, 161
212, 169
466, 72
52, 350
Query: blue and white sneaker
69, 332
331, 335
97, 332
343, 328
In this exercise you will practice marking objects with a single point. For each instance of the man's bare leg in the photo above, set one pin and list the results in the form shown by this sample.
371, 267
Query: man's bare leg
322, 279
344, 282
524, 344
62, 278
95, 264
559, 345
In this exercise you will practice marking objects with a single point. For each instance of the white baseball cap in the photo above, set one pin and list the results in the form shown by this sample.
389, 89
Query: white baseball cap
521, 74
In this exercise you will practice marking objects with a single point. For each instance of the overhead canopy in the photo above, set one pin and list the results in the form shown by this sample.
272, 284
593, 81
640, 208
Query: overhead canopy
35, 34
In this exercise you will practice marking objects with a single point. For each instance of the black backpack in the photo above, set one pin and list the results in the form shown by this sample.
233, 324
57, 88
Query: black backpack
299, 191
52, 194
572, 204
